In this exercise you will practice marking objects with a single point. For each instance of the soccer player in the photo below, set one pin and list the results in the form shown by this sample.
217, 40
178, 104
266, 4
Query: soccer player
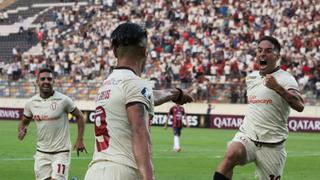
261, 137
124, 108
49, 109
177, 114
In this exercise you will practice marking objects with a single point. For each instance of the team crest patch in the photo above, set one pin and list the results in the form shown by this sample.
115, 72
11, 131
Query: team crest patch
146, 93
53, 106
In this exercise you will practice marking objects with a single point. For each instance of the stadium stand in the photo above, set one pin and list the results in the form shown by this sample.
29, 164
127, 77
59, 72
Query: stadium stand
207, 46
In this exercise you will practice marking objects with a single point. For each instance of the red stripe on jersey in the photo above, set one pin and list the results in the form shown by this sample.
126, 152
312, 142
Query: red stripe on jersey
177, 114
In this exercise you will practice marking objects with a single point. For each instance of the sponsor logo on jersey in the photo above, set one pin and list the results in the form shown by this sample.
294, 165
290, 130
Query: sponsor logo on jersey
41, 118
112, 82
103, 95
146, 93
254, 100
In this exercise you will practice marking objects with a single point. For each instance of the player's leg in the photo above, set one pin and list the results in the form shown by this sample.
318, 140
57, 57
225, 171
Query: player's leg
234, 156
239, 152
270, 162
60, 166
176, 139
42, 166
107, 170
179, 135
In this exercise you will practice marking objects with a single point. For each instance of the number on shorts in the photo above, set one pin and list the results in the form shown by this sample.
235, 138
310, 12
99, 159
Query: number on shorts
63, 168
273, 177
101, 131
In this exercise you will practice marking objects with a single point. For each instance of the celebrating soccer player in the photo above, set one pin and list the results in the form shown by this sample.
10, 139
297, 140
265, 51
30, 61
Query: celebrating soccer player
261, 137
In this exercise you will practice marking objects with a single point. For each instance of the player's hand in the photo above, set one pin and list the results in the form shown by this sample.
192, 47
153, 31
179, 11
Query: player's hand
271, 82
182, 97
80, 147
22, 132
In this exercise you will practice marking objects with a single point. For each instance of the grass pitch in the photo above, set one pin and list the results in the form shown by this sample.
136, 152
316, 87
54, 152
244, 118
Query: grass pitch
202, 150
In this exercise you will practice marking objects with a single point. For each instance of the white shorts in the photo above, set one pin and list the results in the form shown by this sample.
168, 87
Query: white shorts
52, 165
269, 159
107, 170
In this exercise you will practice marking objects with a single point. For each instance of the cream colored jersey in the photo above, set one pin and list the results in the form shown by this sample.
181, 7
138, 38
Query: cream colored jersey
267, 114
51, 118
112, 130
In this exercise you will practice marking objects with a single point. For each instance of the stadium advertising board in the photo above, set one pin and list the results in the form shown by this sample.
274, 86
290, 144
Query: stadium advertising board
304, 124
17, 113
297, 124
159, 119
216, 121
90, 116
10, 113
73, 118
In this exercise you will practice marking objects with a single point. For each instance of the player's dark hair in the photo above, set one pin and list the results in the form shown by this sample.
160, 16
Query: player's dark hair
128, 34
45, 69
273, 41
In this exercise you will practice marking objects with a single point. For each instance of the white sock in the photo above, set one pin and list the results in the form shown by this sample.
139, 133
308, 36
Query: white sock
176, 142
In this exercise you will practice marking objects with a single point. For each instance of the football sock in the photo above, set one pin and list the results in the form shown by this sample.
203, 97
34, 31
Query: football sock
176, 142
219, 176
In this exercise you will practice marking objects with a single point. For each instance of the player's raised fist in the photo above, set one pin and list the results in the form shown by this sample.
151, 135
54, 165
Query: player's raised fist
271, 82
182, 97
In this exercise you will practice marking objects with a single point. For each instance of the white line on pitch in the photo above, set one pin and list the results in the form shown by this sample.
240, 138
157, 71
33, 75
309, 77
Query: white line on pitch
157, 157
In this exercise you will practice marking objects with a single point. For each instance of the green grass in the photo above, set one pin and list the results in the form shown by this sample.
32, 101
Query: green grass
202, 150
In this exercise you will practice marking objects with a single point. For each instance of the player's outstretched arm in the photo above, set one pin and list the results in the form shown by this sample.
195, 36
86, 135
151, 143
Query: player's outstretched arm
292, 96
79, 145
22, 130
138, 120
176, 95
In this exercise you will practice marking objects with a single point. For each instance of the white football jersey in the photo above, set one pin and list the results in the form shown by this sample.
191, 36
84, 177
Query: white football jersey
267, 114
113, 136
51, 118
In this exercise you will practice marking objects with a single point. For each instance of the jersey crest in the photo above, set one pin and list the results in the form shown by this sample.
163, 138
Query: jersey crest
146, 93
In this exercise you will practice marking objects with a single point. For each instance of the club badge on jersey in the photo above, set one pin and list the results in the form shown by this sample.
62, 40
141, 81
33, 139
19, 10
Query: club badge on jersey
146, 93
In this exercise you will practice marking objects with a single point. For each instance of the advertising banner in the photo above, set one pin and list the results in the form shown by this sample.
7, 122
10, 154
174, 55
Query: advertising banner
297, 124
159, 119
218, 121
215, 121
90, 116
304, 124
10, 113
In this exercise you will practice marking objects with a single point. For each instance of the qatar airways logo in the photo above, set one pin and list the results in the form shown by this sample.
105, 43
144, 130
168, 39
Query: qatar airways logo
254, 100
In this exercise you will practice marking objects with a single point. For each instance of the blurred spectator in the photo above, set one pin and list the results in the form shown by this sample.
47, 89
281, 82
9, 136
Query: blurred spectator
4, 16
193, 44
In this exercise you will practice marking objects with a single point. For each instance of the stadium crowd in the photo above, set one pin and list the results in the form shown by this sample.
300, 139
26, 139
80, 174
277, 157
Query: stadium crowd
207, 46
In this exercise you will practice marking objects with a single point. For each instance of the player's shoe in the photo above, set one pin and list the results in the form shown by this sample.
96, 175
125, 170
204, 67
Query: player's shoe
177, 149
